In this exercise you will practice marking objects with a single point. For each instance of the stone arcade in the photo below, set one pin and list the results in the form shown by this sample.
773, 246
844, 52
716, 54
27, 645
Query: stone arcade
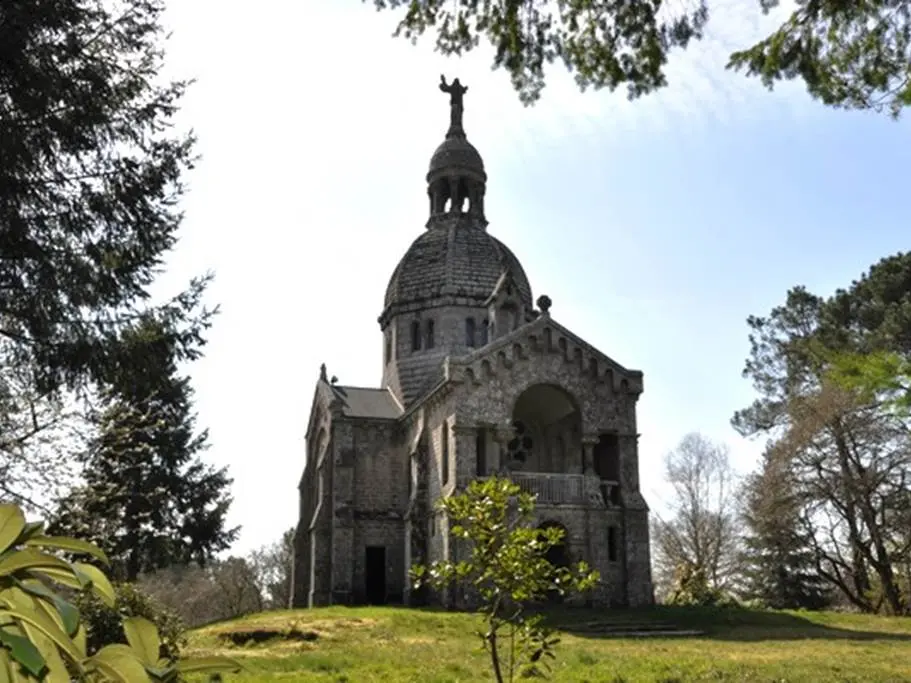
476, 380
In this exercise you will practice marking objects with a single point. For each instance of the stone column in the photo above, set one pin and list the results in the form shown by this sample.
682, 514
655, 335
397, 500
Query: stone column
502, 435
466, 454
341, 513
588, 450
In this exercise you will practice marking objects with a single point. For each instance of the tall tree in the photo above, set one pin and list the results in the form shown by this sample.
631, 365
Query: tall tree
148, 499
702, 530
778, 563
90, 180
856, 56
848, 450
272, 565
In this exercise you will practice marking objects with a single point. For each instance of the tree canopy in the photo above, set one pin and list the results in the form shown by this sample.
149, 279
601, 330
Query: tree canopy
90, 180
822, 367
852, 55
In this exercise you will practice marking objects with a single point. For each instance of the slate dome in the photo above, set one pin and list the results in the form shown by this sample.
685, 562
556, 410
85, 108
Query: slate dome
457, 260
456, 153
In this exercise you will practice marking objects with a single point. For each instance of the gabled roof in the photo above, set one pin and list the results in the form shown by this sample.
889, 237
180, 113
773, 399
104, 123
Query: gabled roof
367, 402
536, 326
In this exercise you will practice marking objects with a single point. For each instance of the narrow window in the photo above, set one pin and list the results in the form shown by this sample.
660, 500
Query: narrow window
387, 354
428, 335
481, 450
444, 451
415, 335
485, 332
469, 332
611, 544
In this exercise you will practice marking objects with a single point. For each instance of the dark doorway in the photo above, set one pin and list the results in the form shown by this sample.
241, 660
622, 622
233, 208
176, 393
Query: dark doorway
558, 556
376, 575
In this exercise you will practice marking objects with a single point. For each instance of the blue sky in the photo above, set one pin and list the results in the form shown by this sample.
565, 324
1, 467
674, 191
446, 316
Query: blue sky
655, 226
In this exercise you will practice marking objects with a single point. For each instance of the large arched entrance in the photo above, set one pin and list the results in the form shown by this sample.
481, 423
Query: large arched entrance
546, 432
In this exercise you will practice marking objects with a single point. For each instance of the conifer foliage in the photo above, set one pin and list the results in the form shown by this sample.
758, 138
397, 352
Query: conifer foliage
90, 180
779, 566
148, 499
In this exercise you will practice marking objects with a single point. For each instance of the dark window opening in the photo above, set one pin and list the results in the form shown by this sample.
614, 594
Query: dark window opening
428, 335
481, 450
375, 578
415, 336
611, 544
444, 450
607, 466
387, 354
485, 332
470, 332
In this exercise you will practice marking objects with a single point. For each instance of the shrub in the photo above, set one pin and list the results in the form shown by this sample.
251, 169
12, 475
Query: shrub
692, 589
104, 625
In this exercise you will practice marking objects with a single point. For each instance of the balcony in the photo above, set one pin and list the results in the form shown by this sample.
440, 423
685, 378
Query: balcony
564, 489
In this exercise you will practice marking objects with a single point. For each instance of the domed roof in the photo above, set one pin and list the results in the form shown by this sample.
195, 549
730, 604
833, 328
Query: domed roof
459, 259
456, 153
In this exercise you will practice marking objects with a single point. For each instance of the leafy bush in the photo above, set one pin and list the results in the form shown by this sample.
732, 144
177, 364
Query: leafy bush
104, 625
43, 637
692, 589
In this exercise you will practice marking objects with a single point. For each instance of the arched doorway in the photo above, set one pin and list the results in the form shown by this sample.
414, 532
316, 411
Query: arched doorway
546, 431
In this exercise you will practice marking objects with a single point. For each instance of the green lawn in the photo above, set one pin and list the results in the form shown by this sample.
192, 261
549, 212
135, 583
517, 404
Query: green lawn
363, 645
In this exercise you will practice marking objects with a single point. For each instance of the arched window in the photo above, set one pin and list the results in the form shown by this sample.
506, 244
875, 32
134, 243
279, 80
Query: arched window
428, 335
444, 452
415, 335
470, 332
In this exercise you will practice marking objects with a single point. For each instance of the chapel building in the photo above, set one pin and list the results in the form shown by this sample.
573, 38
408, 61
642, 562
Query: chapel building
477, 379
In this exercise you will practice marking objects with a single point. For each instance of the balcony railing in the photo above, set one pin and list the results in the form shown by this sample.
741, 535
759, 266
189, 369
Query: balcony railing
552, 489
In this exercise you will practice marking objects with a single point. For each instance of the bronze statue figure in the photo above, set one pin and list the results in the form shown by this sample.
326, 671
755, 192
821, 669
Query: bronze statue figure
456, 91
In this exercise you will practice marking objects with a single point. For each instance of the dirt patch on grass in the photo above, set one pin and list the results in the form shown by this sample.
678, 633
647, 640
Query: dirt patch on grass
242, 637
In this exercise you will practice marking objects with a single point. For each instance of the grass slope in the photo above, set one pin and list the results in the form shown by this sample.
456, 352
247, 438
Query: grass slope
395, 645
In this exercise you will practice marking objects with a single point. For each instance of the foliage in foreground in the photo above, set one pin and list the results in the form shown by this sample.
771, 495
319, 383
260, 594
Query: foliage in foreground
42, 636
104, 624
507, 569
851, 55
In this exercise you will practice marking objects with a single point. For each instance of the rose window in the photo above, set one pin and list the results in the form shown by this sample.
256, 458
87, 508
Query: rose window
519, 448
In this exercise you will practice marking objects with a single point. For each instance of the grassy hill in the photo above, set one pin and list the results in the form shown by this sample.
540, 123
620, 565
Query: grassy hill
395, 645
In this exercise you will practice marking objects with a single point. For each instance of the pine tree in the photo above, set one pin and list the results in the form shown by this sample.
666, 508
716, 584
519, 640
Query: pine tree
91, 174
779, 568
148, 499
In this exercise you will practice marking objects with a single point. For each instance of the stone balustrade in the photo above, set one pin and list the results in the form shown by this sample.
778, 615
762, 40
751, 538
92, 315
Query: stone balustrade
563, 489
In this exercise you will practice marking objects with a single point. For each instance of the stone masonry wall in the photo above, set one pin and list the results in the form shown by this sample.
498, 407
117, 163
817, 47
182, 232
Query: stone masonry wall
410, 372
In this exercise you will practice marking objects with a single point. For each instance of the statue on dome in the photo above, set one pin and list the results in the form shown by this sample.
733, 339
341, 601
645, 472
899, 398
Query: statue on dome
456, 91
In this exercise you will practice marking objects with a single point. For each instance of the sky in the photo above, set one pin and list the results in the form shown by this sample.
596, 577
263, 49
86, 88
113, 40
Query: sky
655, 226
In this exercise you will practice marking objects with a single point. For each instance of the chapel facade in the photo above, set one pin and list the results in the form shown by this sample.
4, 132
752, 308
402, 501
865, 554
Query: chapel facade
477, 379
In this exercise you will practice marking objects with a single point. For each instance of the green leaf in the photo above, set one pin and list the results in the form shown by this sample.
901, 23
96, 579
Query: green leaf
69, 615
12, 522
29, 558
66, 577
24, 652
119, 663
73, 545
101, 586
45, 625
143, 638
30, 530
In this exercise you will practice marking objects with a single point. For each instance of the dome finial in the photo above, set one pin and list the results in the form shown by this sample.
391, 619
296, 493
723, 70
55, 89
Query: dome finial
456, 92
